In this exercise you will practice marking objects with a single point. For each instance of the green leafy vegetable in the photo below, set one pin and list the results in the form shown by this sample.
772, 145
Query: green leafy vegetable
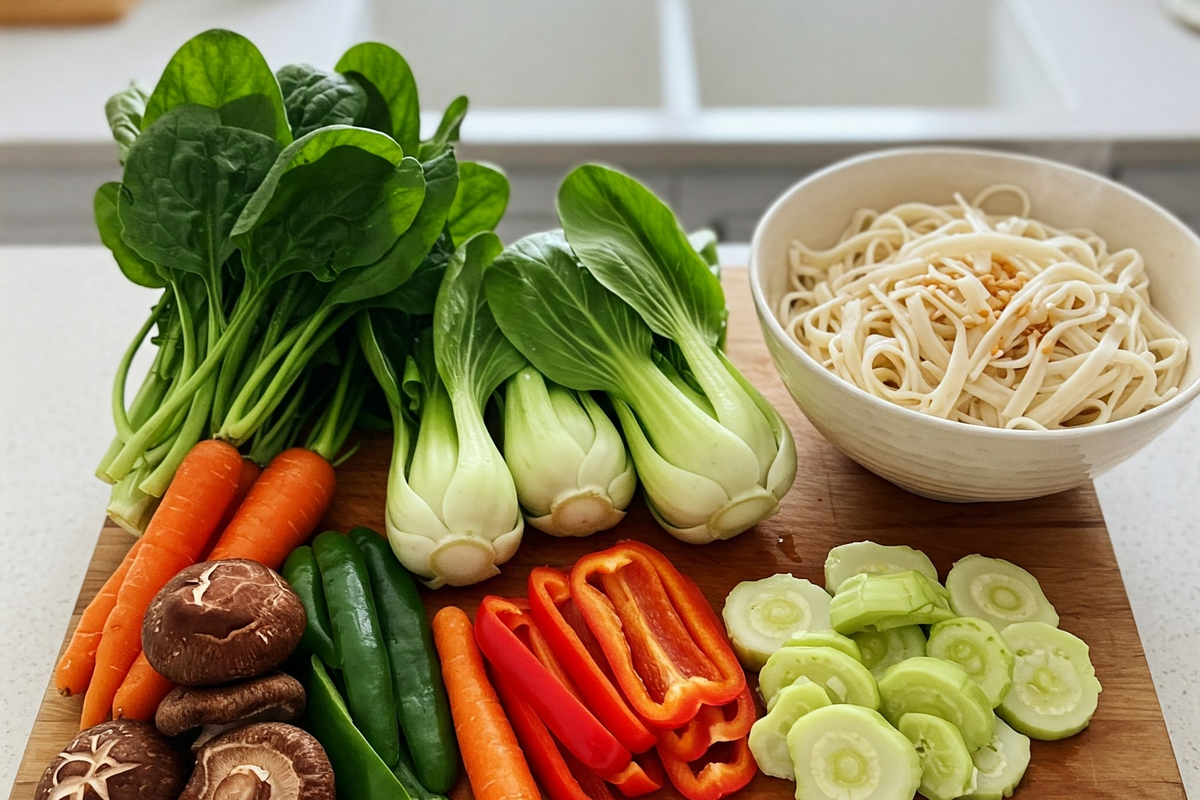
481, 200
124, 111
315, 98
108, 223
221, 70
387, 81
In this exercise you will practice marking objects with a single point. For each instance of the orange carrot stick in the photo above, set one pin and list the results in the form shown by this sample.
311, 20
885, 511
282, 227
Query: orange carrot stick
250, 473
141, 692
74, 669
495, 764
186, 519
283, 508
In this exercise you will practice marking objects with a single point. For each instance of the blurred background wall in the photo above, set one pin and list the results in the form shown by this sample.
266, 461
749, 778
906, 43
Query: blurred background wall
718, 104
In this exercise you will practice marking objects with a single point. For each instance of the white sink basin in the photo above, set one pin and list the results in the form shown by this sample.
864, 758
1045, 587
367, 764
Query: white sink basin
931, 53
525, 54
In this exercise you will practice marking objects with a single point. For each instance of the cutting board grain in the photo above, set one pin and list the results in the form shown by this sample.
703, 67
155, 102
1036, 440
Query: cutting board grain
1061, 539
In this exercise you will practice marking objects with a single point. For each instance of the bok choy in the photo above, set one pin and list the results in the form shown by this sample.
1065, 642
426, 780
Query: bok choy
585, 308
452, 510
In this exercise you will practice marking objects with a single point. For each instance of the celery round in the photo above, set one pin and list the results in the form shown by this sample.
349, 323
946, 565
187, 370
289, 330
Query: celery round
760, 615
997, 591
946, 768
1000, 764
843, 678
881, 649
825, 638
847, 560
975, 646
843, 752
941, 688
1054, 691
768, 737
888, 601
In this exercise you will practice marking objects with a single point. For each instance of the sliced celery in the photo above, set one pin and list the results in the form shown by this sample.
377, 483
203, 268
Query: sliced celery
843, 752
768, 737
976, 646
888, 601
946, 768
997, 591
825, 638
843, 678
881, 649
1000, 764
941, 688
847, 560
1054, 691
761, 615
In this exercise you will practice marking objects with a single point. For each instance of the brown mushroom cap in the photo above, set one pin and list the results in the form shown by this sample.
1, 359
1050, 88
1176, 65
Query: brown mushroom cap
266, 759
268, 698
117, 760
221, 621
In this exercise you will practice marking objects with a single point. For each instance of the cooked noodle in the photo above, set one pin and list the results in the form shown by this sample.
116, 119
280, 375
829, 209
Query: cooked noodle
988, 319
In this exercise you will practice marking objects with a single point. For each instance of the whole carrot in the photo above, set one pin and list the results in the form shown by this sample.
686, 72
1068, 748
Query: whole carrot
186, 519
281, 511
74, 669
495, 764
141, 692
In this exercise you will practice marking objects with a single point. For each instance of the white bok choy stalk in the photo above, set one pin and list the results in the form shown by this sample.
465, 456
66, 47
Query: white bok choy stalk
452, 510
574, 476
702, 481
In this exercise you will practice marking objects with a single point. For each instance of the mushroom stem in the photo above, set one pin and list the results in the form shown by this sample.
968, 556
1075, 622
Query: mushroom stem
245, 782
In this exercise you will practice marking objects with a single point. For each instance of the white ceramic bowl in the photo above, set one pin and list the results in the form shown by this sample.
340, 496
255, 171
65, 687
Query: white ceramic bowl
952, 460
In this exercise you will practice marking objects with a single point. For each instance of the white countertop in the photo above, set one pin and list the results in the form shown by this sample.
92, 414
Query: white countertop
65, 318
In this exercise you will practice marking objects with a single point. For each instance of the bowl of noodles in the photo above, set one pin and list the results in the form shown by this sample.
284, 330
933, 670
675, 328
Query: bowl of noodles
976, 325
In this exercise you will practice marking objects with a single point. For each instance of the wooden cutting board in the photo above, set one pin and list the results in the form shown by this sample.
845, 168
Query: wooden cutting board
1125, 753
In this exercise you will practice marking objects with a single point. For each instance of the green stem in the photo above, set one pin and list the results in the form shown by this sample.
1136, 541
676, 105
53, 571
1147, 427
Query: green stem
334, 425
271, 440
120, 415
129, 506
238, 427
149, 395
193, 428
148, 433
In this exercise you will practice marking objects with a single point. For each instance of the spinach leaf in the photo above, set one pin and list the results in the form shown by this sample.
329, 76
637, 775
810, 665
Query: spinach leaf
391, 91
632, 243
480, 202
576, 332
135, 268
447, 130
335, 199
472, 355
124, 111
315, 98
418, 294
187, 179
406, 255
222, 70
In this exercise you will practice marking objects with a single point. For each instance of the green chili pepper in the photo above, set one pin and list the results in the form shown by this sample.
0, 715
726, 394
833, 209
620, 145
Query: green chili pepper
301, 571
421, 702
358, 637
359, 773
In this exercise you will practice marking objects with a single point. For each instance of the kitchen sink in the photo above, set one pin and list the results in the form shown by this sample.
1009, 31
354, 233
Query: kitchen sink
930, 53
525, 54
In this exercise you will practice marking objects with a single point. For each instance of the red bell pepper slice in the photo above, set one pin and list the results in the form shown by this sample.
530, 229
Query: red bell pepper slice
562, 775
725, 768
643, 775
559, 621
664, 643
545, 690
712, 724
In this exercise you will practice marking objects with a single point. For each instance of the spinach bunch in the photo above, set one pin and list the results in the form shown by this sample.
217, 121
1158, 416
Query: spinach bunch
271, 209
